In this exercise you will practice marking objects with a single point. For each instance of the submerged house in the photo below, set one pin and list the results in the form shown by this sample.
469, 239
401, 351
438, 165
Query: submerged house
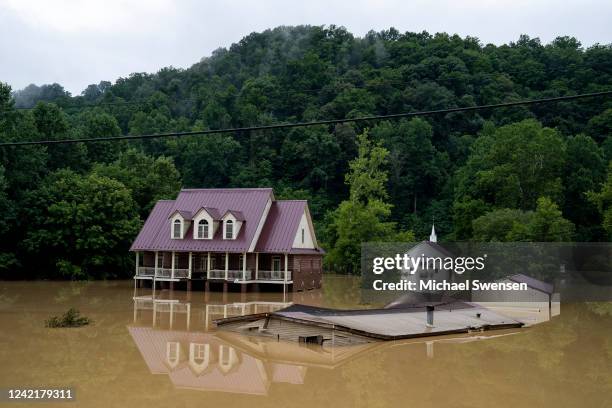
308, 324
240, 236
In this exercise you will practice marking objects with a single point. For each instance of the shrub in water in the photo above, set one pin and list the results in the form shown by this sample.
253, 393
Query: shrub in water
71, 318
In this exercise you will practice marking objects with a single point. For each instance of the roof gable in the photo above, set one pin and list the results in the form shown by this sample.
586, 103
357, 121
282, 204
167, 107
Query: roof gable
281, 227
212, 212
238, 215
187, 216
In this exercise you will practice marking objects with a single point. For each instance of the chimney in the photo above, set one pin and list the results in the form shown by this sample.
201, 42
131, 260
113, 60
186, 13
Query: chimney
430, 312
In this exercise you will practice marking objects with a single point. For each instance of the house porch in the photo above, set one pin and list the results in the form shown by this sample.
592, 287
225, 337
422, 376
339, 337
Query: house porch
242, 268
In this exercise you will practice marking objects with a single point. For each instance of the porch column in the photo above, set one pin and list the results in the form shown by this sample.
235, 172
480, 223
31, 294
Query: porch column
286, 262
137, 260
155, 272
190, 265
208, 267
244, 261
172, 271
256, 265
226, 265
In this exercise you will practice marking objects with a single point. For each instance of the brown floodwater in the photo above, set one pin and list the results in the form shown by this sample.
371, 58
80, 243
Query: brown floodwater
141, 352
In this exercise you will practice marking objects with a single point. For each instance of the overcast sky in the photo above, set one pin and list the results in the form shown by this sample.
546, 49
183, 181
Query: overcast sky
79, 42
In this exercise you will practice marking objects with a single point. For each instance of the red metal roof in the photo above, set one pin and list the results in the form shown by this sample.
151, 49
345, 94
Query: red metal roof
281, 226
277, 234
250, 202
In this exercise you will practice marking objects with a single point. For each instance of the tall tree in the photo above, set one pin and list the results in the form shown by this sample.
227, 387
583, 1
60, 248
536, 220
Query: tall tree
364, 216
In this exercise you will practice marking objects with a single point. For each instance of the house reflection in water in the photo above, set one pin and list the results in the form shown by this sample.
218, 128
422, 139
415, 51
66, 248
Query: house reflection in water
174, 338
205, 362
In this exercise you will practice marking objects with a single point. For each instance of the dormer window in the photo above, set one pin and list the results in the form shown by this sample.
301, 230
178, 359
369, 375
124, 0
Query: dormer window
232, 222
203, 229
176, 229
229, 229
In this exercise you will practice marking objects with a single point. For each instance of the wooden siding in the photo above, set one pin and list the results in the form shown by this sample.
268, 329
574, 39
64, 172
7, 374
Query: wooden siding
292, 331
307, 271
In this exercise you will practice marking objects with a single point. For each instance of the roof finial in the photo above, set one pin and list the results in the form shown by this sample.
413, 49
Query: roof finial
433, 237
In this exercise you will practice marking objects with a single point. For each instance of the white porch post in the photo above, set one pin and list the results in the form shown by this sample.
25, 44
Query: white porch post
137, 260
256, 265
155, 272
172, 272
208, 267
286, 262
190, 265
226, 264
244, 259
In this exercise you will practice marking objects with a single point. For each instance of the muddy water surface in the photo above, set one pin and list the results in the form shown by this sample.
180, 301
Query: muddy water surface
141, 352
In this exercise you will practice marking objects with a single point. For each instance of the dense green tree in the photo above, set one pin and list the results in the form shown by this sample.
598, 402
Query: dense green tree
95, 124
415, 164
81, 227
52, 124
545, 224
585, 170
497, 225
207, 161
310, 158
600, 127
511, 166
603, 200
149, 179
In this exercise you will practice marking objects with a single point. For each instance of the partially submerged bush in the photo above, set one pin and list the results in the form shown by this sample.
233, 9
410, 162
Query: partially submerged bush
71, 318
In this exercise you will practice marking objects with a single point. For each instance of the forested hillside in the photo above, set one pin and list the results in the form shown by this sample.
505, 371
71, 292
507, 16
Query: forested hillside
535, 173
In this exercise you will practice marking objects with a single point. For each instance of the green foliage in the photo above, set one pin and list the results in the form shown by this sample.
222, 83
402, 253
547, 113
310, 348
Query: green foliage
363, 217
511, 166
603, 201
80, 226
148, 179
366, 177
72, 318
585, 170
545, 224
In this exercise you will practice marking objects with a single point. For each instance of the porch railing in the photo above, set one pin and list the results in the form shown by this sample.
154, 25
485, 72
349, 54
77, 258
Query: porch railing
167, 273
145, 271
232, 274
273, 275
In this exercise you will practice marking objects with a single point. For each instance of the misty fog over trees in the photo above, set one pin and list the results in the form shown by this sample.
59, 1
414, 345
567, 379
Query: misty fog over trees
541, 172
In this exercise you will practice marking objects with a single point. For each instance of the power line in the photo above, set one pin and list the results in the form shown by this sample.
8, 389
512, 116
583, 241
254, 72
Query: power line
313, 123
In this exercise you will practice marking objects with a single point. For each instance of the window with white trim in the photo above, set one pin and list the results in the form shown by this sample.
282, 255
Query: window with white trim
203, 229
229, 229
176, 229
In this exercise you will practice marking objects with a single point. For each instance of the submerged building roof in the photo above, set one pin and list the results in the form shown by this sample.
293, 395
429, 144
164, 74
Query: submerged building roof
384, 324
533, 283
